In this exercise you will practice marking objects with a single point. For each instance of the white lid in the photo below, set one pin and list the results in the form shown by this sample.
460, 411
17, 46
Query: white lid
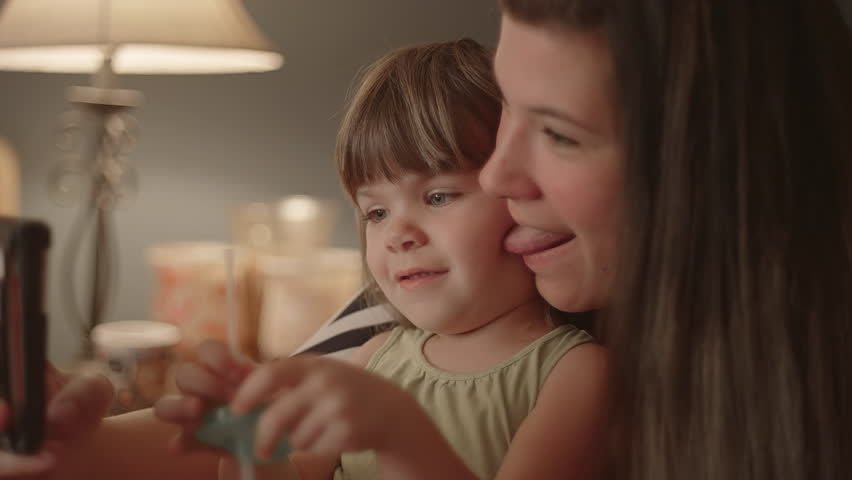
135, 334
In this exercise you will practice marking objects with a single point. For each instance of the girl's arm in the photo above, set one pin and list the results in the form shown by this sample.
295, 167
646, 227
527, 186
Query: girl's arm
329, 407
422, 452
564, 435
302, 465
562, 438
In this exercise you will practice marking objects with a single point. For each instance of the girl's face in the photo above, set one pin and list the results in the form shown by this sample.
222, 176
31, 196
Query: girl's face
434, 245
558, 160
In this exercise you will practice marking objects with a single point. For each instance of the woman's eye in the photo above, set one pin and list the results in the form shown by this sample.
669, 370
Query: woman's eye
376, 215
440, 198
559, 139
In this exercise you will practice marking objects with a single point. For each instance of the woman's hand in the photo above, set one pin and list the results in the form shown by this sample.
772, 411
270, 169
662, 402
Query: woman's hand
324, 406
76, 406
210, 382
19, 465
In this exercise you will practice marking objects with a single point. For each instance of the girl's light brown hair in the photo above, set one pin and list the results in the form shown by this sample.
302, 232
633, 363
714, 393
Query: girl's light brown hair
426, 108
430, 108
731, 330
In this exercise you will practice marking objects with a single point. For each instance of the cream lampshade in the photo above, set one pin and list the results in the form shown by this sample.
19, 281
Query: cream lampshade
143, 36
107, 38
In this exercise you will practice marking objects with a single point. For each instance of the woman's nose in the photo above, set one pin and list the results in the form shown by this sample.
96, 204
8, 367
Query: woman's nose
507, 172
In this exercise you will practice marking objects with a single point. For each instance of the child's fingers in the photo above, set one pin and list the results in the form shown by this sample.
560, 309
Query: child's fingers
185, 411
280, 417
215, 356
313, 424
330, 440
195, 380
266, 381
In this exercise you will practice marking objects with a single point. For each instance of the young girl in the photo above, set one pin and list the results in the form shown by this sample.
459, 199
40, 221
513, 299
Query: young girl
479, 380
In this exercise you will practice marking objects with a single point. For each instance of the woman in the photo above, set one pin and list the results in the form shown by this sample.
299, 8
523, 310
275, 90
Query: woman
684, 166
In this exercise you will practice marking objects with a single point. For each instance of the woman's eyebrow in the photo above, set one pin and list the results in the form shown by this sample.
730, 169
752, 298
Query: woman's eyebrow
554, 113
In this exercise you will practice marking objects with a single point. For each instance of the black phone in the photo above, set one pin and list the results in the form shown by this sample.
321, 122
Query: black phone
23, 331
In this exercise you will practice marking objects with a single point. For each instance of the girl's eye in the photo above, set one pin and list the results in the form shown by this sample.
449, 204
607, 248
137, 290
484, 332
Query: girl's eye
559, 139
438, 199
376, 215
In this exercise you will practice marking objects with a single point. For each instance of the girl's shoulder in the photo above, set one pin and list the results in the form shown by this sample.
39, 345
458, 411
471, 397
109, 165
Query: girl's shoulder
409, 337
361, 357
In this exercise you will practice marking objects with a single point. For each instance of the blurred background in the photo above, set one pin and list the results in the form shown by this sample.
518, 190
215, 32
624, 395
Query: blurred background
209, 145
243, 159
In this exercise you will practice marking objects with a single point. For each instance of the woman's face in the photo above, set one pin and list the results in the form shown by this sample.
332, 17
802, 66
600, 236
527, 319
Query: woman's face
558, 160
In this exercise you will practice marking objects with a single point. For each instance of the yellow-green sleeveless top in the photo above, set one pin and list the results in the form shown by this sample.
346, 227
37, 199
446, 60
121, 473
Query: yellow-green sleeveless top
477, 412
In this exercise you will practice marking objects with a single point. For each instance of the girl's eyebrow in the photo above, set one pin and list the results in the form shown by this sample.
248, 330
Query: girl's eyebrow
459, 176
407, 182
364, 192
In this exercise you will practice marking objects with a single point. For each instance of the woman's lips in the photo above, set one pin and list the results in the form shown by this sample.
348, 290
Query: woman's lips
523, 240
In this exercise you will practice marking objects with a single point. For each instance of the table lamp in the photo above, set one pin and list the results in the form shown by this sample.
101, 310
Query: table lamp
108, 38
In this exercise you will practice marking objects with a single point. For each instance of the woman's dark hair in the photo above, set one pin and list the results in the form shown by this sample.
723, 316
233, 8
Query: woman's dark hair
730, 328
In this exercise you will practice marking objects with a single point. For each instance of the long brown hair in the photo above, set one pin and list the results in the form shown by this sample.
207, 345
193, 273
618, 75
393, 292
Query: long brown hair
731, 327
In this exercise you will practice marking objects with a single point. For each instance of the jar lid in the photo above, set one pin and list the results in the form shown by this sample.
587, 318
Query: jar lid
135, 334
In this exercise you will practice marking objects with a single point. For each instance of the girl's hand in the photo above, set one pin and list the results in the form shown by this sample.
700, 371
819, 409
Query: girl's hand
324, 406
76, 406
203, 385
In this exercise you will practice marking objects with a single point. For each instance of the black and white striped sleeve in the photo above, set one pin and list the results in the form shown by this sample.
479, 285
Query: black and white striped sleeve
349, 329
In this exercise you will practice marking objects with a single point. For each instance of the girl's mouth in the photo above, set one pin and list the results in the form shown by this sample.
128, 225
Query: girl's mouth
415, 278
417, 275
523, 240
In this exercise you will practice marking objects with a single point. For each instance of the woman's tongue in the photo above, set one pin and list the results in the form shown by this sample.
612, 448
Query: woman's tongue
523, 240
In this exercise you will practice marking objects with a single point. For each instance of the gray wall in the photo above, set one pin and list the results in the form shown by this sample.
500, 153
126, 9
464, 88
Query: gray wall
209, 143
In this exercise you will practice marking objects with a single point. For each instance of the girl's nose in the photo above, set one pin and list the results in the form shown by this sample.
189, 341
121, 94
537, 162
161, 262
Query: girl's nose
405, 236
